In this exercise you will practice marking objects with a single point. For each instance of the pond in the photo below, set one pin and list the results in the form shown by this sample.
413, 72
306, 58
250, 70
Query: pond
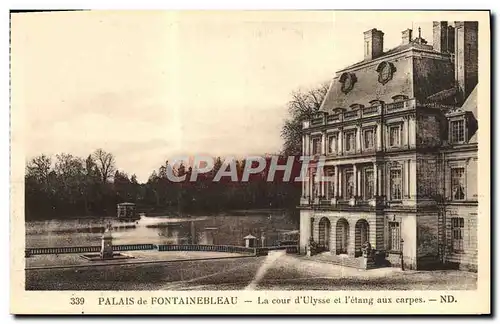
218, 230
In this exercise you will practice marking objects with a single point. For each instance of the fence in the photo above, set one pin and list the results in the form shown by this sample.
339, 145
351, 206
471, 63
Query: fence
163, 247
86, 249
133, 247
61, 250
205, 248
290, 249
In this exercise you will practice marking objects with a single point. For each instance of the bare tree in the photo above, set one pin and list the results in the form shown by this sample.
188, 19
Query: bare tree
105, 163
39, 168
302, 106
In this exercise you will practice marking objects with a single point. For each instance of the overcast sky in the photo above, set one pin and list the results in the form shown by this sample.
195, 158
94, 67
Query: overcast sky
150, 85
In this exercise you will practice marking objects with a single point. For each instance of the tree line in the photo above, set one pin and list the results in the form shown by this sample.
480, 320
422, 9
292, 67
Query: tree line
72, 186
68, 186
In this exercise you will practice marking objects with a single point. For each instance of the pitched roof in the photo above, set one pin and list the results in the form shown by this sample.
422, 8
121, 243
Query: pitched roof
470, 104
367, 86
397, 49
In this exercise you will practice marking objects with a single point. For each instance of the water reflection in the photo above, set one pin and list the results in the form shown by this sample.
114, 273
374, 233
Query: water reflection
219, 230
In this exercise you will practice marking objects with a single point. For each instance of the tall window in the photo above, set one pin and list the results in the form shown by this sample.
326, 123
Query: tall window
367, 48
369, 139
457, 131
458, 184
394, 136
395, 184
369, 188
316, 146
350, 141
457, 234
332, 144
394, 237
349, 181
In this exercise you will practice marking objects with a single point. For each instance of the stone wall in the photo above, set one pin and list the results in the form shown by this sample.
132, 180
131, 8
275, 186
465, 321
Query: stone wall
429, 130
431, 74
305, 229
466, 259
427, 238
427, 176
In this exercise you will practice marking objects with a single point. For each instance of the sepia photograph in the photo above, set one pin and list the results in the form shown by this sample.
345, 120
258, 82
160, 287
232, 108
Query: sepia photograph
211, 151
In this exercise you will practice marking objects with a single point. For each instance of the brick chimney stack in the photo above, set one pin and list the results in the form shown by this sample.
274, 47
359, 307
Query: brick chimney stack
466, 56
440, 36
374, 43
406, 36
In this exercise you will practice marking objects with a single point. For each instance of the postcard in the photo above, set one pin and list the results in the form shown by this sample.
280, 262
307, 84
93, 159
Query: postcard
250, 162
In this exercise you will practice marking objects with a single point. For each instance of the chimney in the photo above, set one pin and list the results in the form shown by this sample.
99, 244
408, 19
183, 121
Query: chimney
451, 39
374, 43
466, 56
440, 36
406, 36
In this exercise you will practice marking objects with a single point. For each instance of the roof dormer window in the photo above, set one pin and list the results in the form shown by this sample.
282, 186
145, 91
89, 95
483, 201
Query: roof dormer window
376, 102
356, 106
398, 98
338, 110
457, 131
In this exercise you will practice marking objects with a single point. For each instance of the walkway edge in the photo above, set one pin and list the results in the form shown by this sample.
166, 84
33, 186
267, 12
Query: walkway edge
133, 262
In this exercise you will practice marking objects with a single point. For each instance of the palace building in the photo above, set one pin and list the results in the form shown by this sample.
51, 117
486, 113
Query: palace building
398, 134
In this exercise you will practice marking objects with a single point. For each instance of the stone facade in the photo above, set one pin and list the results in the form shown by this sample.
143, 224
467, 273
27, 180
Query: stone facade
395, 141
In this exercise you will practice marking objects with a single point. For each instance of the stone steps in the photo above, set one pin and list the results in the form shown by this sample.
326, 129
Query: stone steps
358, 263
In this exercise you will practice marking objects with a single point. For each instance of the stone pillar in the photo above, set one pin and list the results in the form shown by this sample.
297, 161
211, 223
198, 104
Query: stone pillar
375, 180
359, 184
304, 144
405, 177
379, 137
358, 139
307, 143
107, 245
339, 182
336, 182
412, 131
380, 181
406, 133
333, 238
413, 176
305, 185
341, 143
323, 143
351, 252
327, 181
310, 181
355, 173
408, 174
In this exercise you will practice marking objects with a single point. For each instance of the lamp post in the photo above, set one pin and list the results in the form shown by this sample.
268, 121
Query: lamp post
402, 259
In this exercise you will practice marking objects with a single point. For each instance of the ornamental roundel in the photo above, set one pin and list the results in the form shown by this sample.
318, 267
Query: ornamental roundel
385, 72
348, 80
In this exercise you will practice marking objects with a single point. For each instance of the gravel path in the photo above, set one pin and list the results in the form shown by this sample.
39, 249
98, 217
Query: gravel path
277, 272
70, 259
